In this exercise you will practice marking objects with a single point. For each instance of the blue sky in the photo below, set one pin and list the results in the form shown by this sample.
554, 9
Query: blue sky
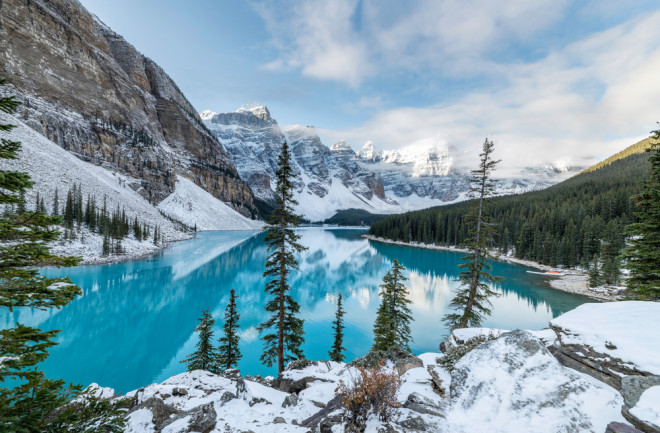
548, 80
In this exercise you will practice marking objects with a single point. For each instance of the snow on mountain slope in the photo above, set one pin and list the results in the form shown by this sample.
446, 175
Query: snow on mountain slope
331, 178
196, 207
53, 168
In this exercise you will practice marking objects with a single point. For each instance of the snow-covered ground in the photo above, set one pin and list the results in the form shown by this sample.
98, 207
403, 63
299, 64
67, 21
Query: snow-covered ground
53, 168
623, 330
198, 208
509, 384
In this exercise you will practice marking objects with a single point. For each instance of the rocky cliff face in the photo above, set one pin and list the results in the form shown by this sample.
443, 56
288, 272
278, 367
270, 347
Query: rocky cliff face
90, 91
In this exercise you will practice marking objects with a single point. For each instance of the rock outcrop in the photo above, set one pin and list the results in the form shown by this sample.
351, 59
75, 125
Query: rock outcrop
90, 91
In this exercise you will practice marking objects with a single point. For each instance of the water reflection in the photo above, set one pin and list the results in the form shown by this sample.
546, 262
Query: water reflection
135, 320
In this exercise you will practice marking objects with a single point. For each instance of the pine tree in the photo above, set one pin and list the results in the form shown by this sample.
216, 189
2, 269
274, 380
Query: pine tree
228, 351
472, 298
595, 277
205, 357
282, 342
643, 254
29, 402
392, 326
56, 203
336, 353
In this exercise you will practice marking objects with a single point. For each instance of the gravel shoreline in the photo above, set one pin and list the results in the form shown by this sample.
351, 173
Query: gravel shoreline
575, 281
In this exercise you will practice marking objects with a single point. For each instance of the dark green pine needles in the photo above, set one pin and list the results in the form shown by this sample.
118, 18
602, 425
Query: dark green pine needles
284, 329
643, 254
336, 353
205, 356
392, 326
29, 402
228, 352
471, 300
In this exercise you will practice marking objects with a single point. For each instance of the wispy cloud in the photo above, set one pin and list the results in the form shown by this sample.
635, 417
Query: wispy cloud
349, 40
581, 103
556, 99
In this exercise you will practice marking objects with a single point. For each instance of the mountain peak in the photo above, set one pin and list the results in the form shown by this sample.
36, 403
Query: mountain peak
369, 152
259, 110
207, 114
341, 146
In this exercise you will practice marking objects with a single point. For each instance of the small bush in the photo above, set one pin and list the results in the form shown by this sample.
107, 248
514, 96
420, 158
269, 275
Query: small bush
372, 392
454, 354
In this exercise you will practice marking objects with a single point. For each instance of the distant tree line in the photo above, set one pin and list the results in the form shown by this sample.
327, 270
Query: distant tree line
567, 224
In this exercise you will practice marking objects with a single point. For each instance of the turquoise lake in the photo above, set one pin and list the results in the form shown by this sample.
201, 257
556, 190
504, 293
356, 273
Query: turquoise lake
134, 322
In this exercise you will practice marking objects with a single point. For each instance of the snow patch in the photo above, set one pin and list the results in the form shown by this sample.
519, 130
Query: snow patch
625, 330
194, 206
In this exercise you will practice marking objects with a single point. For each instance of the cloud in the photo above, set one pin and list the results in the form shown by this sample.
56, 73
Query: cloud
349, 41
583, 102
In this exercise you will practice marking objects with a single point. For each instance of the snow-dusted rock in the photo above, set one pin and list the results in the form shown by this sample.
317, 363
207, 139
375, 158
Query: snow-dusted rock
646, 412
610, 340
513, 383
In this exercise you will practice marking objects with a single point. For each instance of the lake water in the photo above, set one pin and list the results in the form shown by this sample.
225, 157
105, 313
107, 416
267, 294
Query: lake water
135, 321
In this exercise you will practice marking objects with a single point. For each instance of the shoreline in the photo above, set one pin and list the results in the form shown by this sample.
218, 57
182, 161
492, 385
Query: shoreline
575, 282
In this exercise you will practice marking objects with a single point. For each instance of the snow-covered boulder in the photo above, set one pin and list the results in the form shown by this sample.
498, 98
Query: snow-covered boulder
513, 383
610, 340
646, 413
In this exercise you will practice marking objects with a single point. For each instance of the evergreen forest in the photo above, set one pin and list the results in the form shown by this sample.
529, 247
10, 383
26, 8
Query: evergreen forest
567, 224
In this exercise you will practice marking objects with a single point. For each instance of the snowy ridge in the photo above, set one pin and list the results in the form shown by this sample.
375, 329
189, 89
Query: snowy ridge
198, 208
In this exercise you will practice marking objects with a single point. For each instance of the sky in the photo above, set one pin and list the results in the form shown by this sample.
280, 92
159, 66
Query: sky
549, 81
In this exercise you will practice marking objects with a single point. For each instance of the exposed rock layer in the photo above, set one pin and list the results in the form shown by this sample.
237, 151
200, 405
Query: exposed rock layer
90, 91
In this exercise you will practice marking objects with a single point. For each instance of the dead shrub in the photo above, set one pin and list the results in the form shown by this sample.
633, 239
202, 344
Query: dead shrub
373, 391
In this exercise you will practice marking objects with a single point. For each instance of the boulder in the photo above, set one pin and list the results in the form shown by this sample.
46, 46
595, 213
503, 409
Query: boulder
632, 387
374, 357
404, 364
290, 385
514, 382
232, 373
279, 420
227, 396
178, 392
203, 418
290, 400
619, 427
160, 411
325, 426
420, 404
316, 419
300, 364
414, 423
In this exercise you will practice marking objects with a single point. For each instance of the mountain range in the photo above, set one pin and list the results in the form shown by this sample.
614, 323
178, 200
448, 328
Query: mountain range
331, 178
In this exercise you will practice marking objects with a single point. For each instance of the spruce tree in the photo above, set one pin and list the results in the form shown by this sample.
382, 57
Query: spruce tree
205, 356
471, 300
30, 402
595, 277
392, 325
336, 353
228, 351
56, 203
643, 254
284, 328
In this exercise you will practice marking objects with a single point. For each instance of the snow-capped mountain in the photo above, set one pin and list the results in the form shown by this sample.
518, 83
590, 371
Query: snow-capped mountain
337, 177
